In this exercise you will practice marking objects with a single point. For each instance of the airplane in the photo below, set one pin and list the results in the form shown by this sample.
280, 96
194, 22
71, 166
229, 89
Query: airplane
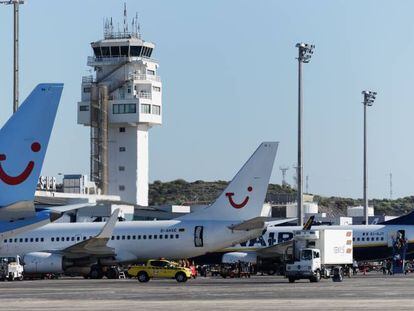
370, 242
92, 249
23, 144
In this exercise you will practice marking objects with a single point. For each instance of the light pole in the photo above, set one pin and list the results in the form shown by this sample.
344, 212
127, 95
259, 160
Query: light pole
16, 4
305, 53
369, 98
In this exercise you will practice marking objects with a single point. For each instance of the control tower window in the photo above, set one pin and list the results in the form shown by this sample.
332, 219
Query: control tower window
136, 50
115, 51
105, 51
149, 52
124, 50
97, 52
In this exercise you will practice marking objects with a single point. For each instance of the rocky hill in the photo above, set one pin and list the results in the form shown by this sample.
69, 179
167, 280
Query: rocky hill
203, 192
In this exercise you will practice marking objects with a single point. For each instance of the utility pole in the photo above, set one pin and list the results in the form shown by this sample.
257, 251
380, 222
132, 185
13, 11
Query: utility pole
390, 186
305, 52
284, 169
369, 98
16, 4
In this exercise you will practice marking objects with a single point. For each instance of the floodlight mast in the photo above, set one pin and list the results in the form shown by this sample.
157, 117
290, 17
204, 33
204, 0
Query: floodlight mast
305, 52
369, 98
16, 4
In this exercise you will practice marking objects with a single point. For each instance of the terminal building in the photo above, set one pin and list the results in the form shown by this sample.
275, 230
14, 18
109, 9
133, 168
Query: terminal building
120, 103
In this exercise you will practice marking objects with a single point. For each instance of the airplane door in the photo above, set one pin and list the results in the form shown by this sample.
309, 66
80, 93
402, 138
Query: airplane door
198, 236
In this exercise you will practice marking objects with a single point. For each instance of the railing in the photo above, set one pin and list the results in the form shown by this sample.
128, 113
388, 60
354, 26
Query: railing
88, 79
137, 76
116, 59
146, 95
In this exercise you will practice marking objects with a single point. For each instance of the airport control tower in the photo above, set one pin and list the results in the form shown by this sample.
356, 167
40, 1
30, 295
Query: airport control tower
120, 103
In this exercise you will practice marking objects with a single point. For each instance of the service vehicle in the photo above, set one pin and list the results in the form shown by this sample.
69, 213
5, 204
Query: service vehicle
160, 269
11, 268
320, 253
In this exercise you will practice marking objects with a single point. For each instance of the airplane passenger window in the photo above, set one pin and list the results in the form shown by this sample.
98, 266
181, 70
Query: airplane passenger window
357, 239
353, 239
5, 241
67, 239
112, 238
117, 237
155, 236
128, 237
362, 239
78, 238
139, 237
37, 240
382, 238
84, 238
31, 239
160, 236
150, 237
123, 237
10, 240
57, 239
166, 236
377, 238
144, 237
176, 236
133, 237
26, 240
63, 239
21, 240
171, 236
72, 238
15, 240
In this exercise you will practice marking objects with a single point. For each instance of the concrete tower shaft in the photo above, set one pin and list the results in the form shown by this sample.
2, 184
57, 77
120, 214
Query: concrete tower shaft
120, 103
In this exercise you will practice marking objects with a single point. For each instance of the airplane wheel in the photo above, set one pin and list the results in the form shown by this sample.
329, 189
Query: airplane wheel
112, 273
181, 277
96, 273
292, 280
143, 277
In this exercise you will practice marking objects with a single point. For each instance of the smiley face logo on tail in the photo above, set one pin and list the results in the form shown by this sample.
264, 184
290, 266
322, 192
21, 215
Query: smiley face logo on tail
230, 195
16, 180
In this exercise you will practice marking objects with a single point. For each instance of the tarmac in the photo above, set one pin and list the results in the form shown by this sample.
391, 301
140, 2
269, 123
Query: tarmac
371, 292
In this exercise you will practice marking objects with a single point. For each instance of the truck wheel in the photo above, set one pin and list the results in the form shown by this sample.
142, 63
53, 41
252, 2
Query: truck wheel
292, 280
143, 277
181, 277
317, 277
271, 272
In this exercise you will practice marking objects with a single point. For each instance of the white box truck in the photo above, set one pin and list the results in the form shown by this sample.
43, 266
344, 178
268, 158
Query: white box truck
320, 253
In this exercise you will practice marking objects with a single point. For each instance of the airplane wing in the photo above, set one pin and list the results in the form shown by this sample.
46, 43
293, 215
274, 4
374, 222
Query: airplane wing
97, 245
259, 222
57, 211
275, 250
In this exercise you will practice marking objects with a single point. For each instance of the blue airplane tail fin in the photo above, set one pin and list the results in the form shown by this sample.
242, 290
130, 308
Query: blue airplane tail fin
407, 219
23, 143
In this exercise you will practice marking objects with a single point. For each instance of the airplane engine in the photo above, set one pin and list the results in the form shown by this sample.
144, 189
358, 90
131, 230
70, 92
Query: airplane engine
42, 262
234, 257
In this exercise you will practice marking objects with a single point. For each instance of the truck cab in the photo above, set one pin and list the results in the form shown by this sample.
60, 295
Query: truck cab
308, 266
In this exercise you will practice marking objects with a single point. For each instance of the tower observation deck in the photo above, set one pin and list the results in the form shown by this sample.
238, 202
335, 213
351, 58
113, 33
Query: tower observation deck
120, 103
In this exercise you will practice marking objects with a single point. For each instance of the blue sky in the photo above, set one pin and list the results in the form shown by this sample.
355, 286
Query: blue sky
230, 80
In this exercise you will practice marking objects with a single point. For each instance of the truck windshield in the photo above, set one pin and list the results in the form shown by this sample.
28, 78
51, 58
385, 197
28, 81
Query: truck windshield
306, 254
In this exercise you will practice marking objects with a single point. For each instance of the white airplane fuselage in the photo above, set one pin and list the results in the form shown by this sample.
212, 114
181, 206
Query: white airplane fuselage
134, 240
